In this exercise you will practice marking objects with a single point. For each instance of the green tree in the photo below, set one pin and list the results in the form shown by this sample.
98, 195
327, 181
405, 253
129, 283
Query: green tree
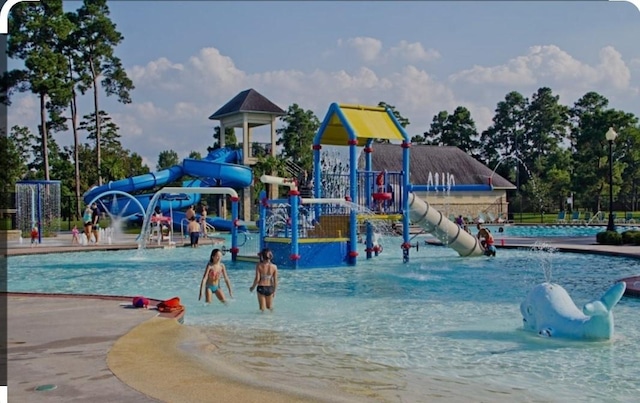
230, 139
457, 130
167, 159
12, 164
296, 136
258, 150
546, 125
437, 129
404, 122
25, 142
504, 138
36, 31
96, 41
109, 138
77, 75
629, 144
135, 165
195, 155
590, 121
268, 165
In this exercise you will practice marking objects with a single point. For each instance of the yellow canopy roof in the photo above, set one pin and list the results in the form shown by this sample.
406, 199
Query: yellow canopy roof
359, 122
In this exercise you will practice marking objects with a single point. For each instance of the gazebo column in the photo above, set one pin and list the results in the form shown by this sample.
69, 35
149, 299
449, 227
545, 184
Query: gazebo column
223, 140
222, 201
246, 192
273, 189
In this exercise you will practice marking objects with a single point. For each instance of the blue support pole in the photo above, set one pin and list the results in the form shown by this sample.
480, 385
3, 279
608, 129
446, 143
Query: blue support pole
317, 177
234, 228
39, 203
294, 201
369, 240
405, 201
368, 195
353, 222
262, 224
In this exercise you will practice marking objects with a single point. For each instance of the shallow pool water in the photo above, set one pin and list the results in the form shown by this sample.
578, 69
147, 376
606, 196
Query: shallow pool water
382, 322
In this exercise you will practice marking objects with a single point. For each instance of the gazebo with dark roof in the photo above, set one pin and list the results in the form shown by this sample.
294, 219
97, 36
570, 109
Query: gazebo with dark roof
248, 101
247, 110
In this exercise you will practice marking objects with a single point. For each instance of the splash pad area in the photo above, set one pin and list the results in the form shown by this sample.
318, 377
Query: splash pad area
383, 325
38, 205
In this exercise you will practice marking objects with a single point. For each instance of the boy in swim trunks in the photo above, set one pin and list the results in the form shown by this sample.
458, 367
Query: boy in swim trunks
211, 278
194, 231
266, 280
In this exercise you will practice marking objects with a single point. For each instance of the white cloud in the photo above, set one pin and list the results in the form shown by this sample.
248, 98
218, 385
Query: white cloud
550, 64
515, 72
24, 111
367, 48
371, 50
154, 70
173, 98
418, 91
215, 69
613, 69
413, 52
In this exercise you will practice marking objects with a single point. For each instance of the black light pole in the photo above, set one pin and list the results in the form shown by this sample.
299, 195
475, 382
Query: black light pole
611, 136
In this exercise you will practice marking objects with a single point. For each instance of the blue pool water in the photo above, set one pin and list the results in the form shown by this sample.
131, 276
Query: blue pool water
549, 231
383, 324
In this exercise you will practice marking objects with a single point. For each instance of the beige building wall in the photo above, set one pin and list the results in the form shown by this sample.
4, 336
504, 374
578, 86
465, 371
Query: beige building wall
468, 204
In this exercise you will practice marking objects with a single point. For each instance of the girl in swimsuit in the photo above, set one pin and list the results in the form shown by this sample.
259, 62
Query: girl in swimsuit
211, 278
266, 280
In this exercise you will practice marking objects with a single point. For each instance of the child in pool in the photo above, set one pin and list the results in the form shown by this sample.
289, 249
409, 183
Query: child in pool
74, 236
211, 278
266, 280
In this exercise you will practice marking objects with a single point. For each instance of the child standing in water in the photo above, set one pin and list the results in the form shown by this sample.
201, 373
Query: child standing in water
266, 280
211, 278
194, 232
74, 236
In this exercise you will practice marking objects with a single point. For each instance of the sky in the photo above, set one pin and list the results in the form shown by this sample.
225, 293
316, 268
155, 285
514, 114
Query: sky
187, 59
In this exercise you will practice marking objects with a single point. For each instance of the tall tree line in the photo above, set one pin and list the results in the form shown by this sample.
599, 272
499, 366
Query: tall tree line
67, 55
550, 150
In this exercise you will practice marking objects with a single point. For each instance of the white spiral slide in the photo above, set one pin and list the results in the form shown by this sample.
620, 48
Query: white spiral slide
449, 233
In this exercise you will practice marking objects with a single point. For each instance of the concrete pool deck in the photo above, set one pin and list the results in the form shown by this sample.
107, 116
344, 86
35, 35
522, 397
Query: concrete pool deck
95, 348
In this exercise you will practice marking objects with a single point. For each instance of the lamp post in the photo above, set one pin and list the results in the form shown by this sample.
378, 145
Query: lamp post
611, 136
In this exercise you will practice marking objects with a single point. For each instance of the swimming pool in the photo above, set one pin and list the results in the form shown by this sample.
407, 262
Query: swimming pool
549, 231
382, 324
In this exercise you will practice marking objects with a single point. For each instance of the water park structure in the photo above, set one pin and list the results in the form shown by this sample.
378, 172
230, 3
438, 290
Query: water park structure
225, 166
38, 206
324, 231
321, 228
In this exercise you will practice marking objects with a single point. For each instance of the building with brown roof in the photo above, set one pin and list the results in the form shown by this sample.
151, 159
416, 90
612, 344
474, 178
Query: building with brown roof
428, 165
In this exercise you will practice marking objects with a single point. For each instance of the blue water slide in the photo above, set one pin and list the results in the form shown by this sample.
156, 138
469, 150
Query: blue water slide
218, 168
219, 173
123, 206
140, 182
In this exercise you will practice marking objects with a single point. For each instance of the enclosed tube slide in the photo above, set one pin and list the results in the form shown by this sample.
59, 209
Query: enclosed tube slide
449, 233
